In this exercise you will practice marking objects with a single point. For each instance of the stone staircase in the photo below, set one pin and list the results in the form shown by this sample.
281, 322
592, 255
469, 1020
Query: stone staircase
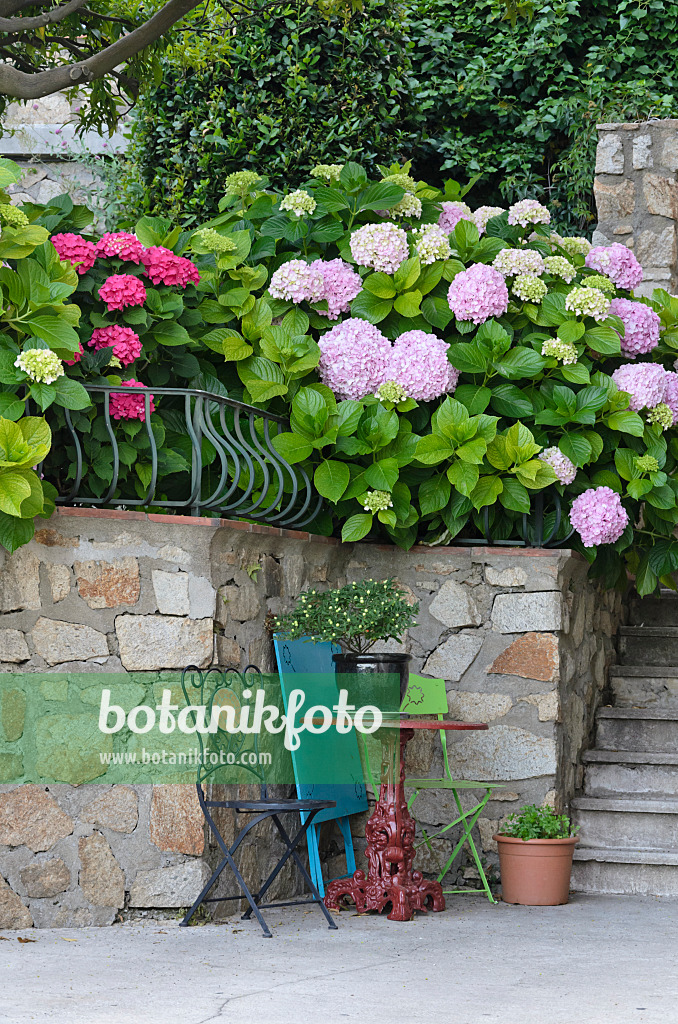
628, 814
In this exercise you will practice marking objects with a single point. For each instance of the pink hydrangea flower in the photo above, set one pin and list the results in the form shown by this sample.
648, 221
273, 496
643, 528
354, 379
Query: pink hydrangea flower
298, 281
130, 407
121, 244
451, 214
484, 214
354, 358
380, 246
75, 249
478, 293
420, 365
617, 262
120, 290
123, 340
598, 516
164, 267
641, 326
644, 382
563, 467
77, 356
341, 284
671, 394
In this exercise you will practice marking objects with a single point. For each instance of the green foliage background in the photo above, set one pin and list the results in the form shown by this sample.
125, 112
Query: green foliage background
453, 86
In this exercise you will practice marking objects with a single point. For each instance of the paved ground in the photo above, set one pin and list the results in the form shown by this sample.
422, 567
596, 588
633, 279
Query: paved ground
599, 960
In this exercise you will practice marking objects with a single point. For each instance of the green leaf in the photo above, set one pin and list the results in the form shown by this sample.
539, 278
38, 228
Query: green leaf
606, 478
262, 378
310, 413
331, 479
407, 304
514, 496
348, 416
508, 400
11, 406
436, 311
14, 488
472, 451
227, 343
571, 332
382, 475
627, 422
381, 196
603, 340
14, 533
486, 491
576, 373
463, 476
520, 362
434, 494
368, 307
646, 579
468, 357
170, 333
56, 333
71, 394
624, 460
638, 488
475, 397
536, 474
152, 230
292, 447
661, 497
356, 528
406, 275
576, 448
381, 285
433, 449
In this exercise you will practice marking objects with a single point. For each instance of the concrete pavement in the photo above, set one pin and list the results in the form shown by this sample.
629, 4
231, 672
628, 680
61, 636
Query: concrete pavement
598, 960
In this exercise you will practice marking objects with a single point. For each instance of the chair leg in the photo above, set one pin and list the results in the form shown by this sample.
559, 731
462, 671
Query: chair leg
345, 827
314, 858
468, 821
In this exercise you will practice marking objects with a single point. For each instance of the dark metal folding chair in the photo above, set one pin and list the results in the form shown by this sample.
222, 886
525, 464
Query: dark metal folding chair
222, 688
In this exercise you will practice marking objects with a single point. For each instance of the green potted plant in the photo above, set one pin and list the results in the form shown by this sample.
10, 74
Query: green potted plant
535, 857
356, 617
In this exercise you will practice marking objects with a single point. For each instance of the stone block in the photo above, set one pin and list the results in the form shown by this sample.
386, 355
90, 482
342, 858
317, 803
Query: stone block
546, 704
31, 817
58, 641
171, 592
46, 878
614, 201
454, 606
13, 646
513, 576
419, 753
50, 538
670, 153
54, 689
642, 156
11, 768
177, 822
451, 659
102, 880
661, 195
59, 577
150, 642
201, 597
466, 706
69, 748
656, 250
174, 886
118, 809
526, 613
108, 584
20, 582
13, 912
502, 753
533, 656
610, 155
13, 714
238, 603
229, 654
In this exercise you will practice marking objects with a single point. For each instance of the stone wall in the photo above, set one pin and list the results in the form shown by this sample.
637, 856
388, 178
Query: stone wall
521, 637
637, 196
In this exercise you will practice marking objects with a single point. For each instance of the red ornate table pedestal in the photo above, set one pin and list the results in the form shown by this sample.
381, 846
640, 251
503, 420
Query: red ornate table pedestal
390, 840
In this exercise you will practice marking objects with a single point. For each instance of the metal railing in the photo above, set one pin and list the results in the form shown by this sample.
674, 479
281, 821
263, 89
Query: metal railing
539, 528
251, 480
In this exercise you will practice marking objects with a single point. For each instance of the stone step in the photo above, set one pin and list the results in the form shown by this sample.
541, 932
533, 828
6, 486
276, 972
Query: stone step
644, 685
626, 823
648, 645
630, 872
654, 611
611, 773
639, 729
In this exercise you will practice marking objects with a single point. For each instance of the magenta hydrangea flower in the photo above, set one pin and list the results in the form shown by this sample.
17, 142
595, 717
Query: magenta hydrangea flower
641, 326
528, 211
598, 516
563, 467
341, 284
164, 267
380, 246
75, 249
478, 293
298, 281
671, 394
420, 365
77, 356
121, 244
123, 340
130, 407
120, 290
644, 382
617, 262
354, 358
451, 214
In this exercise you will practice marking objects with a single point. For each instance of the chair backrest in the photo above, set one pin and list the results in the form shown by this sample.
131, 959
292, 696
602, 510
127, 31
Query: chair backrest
222, 688
312, 662
425, 697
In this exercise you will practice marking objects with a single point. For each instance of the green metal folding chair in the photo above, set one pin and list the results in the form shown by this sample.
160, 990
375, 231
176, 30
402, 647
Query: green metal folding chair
429, 697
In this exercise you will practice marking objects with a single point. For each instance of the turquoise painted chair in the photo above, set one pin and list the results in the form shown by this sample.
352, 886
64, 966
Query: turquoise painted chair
428, 697
313, 664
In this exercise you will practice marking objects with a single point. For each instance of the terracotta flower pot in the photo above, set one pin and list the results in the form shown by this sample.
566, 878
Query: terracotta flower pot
535, 872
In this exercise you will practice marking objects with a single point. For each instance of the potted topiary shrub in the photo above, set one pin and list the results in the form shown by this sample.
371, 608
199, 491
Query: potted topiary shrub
535, 857
356, 617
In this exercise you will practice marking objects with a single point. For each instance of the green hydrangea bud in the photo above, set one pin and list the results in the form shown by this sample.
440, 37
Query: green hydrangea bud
599, 281
646, 463
573, 246
560, 350
588, 302
661, 415
240, 183
376, 501
13, 217
391, 391
529, 288
214, 242
329, 171
409, 206
402, 180
560, 267
298, 202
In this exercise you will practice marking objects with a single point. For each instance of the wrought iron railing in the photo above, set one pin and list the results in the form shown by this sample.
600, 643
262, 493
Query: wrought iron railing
248, 478
540, 528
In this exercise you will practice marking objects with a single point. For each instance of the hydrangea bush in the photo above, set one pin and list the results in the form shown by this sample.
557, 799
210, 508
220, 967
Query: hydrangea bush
447, 374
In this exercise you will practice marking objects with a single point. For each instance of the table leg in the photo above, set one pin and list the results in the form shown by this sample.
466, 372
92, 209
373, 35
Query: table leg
390, 850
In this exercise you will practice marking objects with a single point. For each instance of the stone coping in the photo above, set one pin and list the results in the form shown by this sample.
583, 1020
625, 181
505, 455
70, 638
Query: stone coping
476, 550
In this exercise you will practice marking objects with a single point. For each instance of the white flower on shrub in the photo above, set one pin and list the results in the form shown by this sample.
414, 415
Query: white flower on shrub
298, 202
41, 365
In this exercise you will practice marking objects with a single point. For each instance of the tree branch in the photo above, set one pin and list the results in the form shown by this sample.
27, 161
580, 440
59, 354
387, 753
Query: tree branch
41, 20
26, 87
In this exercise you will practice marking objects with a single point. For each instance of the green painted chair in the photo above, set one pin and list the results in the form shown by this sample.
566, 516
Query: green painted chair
429, 697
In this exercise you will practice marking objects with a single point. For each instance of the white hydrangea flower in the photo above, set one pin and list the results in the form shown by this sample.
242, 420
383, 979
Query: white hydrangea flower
573, 245
41, 365
529, 288
329, 171
298, 202
432, 244
511, 262
409, 206
560, 267
560, 350
588, 302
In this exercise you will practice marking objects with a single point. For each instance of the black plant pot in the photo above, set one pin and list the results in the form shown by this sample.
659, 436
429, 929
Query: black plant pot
375, 664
